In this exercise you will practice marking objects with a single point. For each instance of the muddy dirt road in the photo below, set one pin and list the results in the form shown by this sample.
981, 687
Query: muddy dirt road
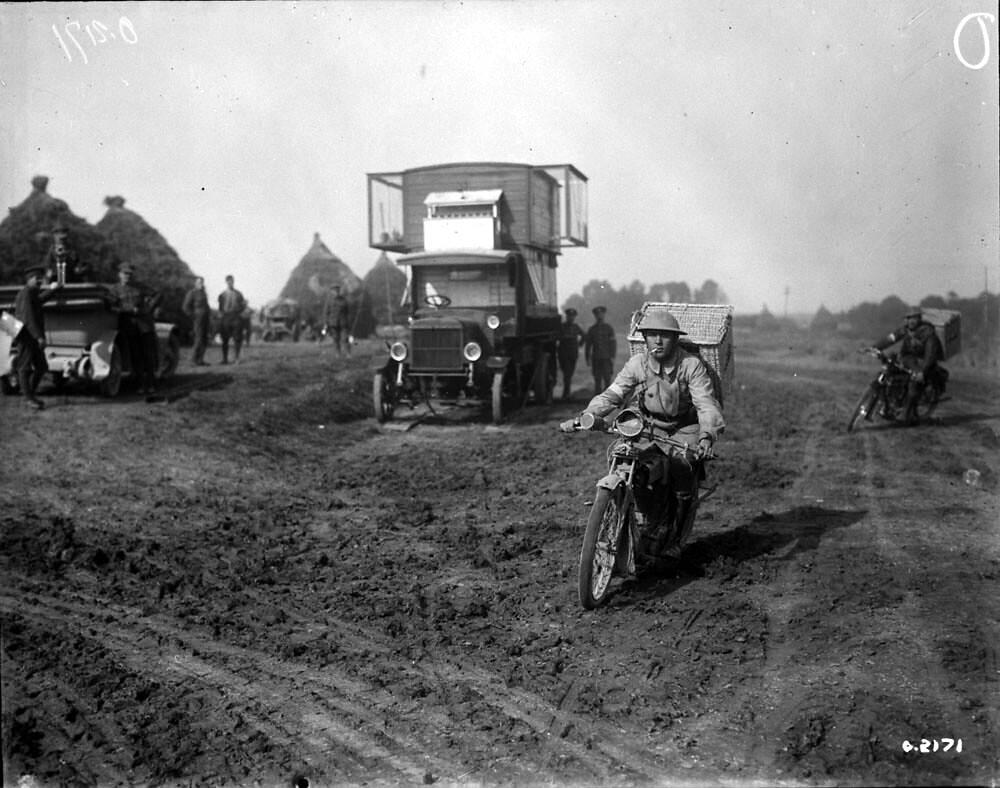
255, 585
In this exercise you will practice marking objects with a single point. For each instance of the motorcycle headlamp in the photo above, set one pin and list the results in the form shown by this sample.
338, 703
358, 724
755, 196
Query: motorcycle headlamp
398, 351
472, 351
629, 423
493, 322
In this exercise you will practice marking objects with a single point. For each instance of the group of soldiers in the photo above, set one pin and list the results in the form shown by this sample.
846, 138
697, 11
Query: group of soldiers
599, 349
136, 305
232, 320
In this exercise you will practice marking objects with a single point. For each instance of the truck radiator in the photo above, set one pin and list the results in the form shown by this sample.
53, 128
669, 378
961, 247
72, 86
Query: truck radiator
437, 349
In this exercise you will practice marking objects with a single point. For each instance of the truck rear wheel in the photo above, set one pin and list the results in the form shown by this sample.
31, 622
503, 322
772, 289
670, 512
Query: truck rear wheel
544, 381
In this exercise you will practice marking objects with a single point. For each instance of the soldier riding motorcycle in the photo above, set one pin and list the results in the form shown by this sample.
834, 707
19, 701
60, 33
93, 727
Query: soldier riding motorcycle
919, 354
674, 405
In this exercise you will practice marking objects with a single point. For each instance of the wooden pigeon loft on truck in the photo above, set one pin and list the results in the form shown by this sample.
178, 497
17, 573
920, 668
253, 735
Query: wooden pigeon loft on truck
478, 206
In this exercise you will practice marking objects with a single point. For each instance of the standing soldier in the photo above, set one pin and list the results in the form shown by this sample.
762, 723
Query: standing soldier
196, 307
231, 306
570, 339
599, 350
29, 363
134, 304
335, 318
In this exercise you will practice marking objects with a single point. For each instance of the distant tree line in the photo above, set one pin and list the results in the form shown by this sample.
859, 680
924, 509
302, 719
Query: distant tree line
621, 303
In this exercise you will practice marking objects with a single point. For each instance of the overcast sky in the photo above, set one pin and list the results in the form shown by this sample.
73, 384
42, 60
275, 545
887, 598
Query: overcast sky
843, 150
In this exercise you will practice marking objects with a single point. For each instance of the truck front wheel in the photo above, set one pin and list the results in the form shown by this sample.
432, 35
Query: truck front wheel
497, 391
383, 398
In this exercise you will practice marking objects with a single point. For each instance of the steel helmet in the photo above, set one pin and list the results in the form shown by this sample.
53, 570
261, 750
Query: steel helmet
657, 318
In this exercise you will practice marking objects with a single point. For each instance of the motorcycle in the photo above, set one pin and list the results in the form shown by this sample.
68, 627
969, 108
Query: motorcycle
886, 394
618, 540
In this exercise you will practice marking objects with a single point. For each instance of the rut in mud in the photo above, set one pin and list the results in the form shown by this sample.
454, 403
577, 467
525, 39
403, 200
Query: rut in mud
254, 582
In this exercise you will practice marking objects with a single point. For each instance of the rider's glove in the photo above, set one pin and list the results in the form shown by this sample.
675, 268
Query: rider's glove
705, 446
569, 426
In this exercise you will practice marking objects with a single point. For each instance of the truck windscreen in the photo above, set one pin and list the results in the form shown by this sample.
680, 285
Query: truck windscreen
471, 286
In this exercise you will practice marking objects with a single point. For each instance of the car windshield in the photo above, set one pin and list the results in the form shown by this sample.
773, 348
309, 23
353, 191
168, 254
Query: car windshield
472, 286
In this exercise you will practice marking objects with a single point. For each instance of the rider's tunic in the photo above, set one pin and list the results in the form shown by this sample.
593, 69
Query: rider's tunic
676, 395
920, 349
678, 398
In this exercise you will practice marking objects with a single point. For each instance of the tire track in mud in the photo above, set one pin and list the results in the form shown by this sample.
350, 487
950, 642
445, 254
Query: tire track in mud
334, 720
325, 719
783, 691
839, 696
931, 680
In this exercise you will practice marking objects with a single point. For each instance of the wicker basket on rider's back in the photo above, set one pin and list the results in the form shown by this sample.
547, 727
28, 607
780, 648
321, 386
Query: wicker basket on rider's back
709, 330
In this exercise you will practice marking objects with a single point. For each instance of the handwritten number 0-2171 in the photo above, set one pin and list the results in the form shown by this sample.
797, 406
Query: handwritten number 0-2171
98, 34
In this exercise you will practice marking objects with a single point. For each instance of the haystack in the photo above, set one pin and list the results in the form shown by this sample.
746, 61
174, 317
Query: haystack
26, 236
385, 285
156, 263
313, 278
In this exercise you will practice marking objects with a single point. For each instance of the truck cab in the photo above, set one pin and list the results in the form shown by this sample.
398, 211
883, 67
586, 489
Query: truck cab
480, 243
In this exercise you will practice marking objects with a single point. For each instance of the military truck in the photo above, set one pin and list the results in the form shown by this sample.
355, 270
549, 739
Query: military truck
480, 243
280, 319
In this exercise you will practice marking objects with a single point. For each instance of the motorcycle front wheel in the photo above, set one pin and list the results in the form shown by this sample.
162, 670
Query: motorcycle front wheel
600, 546
864, 408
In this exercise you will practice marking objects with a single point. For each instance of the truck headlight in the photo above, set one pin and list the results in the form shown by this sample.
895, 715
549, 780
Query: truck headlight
472, 351
493, 322
398, 351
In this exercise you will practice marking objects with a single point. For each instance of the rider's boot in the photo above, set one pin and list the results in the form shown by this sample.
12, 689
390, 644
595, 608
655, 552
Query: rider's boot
687, 504
910, 418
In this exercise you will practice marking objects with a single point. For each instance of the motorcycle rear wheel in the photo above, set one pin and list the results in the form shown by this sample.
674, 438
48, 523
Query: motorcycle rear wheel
864, 408
927, 403
601, 542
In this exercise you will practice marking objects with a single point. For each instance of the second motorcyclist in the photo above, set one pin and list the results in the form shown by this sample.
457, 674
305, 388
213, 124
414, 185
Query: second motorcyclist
919, 354
674, 392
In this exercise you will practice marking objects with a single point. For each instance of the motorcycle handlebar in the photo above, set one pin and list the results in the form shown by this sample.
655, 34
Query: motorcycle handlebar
591, 423
885, 358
